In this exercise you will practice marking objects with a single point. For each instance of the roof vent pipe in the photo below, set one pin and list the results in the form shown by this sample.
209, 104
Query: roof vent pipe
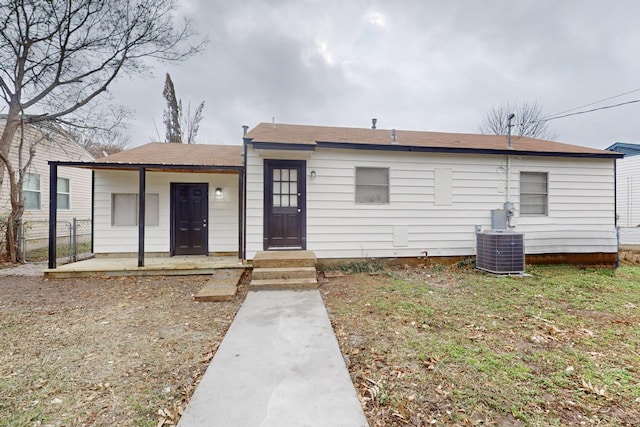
393, 135
373, 123
245, 129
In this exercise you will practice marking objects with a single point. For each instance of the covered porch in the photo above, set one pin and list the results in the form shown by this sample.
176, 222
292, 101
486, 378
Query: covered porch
160, 209
153, 266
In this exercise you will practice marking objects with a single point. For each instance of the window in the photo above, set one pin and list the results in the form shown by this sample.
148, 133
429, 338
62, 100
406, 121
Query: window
533, 193
372, 185
285, 188
124, 209
31, 191
64, 194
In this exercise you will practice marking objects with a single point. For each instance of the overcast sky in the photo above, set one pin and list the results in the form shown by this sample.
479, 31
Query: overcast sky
412, 64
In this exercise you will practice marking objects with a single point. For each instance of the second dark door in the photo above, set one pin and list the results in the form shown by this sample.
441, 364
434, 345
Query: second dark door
285, 201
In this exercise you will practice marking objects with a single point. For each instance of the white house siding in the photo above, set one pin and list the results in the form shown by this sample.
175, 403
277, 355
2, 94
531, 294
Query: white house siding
628, 200
55, 147
580, 220
223, 213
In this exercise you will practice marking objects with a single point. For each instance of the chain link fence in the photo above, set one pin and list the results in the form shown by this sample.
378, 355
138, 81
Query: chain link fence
73, 240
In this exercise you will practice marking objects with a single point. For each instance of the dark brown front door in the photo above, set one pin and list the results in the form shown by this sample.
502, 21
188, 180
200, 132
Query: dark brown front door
189, 218
285, 202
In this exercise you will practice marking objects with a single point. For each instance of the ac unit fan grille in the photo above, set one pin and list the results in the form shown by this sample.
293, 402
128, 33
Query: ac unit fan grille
501, 253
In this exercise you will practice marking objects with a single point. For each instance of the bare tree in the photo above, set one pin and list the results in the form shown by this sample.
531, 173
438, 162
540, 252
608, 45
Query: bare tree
101, 131
180, 126
58, 57
529, 121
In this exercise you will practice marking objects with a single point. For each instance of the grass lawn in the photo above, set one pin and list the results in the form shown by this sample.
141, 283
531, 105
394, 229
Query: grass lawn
455, 346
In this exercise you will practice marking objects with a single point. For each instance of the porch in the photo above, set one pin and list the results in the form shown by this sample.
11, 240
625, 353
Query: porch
153, 266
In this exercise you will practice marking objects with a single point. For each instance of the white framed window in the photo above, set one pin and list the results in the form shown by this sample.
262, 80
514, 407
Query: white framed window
31, 191
63, 194
372, 185
124, 209
534, 194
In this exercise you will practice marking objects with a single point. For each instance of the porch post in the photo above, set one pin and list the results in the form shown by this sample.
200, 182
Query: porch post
141, 201
53, 212
240, 216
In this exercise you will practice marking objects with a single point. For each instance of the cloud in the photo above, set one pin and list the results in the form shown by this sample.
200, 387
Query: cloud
413, 64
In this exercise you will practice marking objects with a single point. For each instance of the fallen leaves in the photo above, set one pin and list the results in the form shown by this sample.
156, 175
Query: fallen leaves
105, 351
593, 389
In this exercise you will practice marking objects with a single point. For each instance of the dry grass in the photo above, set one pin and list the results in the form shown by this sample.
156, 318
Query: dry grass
432, 346
104, 351
453, 346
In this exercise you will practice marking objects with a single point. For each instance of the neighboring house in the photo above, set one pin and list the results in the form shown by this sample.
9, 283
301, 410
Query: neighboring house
51, 143
355, 193
628, 192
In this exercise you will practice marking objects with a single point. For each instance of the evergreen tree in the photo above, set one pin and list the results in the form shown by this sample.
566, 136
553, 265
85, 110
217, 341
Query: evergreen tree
172, 113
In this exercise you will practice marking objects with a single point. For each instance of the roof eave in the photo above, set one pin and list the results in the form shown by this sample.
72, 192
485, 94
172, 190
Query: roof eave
136, 166
464, 150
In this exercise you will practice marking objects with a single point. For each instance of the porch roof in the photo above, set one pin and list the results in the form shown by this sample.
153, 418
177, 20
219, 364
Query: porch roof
299, 136
159, 156
159, 153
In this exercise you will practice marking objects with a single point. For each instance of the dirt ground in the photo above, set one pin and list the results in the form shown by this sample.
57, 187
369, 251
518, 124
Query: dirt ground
129, 351
104, 351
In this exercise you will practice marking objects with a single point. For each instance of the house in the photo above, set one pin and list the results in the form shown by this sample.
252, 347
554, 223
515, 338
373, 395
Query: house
348, 193
51, 143
628, 192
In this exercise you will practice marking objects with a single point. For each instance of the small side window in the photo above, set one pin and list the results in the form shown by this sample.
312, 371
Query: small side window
31, 191
372, 185
124, 209
64, 194
534, 194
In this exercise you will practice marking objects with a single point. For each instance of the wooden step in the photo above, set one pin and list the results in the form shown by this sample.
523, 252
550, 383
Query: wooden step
284, 273
280, 259
276, 284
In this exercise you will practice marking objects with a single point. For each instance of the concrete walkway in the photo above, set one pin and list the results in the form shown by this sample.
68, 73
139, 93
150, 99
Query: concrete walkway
279, 365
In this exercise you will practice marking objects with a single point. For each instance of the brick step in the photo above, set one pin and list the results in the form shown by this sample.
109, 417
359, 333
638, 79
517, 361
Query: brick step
284, 273
272, 284
284, 259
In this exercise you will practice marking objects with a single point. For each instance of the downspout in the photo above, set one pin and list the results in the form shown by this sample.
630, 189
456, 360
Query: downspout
243, 213
244, 204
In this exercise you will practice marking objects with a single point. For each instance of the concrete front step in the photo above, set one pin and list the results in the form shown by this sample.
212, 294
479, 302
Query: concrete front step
280, 259
276, 284
222, 286
284, 273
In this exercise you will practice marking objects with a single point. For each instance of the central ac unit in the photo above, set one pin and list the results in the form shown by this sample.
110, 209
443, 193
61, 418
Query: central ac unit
500, 252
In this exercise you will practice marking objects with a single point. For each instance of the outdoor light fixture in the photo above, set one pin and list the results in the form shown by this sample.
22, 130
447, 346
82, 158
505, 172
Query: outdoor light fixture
218, 193
313, 174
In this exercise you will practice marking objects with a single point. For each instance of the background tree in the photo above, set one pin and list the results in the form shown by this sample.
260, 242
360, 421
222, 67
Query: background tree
58, 57
171, 117
180, 127
103, 132
191, 123
529, 121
